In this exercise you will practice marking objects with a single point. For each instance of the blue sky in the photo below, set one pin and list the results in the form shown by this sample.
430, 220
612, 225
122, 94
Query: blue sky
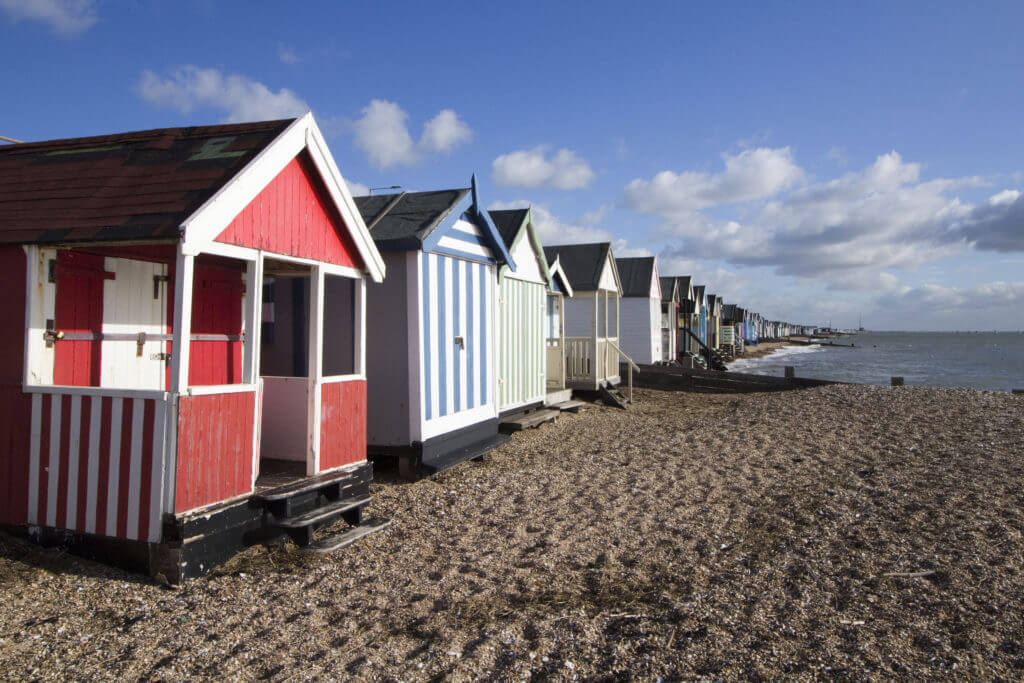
813, 161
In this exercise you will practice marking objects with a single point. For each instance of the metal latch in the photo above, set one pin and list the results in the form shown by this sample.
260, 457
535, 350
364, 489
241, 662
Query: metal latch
461, 343
162, 355
51, 334
140, 341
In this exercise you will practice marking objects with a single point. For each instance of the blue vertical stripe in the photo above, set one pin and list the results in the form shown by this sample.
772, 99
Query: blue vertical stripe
442, 338
484, 365
427, 333
470, 336
457, 268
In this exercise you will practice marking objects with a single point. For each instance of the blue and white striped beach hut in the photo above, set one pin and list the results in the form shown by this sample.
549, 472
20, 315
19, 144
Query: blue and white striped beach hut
431, 329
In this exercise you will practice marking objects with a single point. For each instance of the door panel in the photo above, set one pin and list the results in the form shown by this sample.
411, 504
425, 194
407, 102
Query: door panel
134, 302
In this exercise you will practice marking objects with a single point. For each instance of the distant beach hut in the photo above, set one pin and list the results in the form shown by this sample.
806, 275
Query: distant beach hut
701, 305
432, 346
669, 318
559, 290
189, 378
640, 309
592, 351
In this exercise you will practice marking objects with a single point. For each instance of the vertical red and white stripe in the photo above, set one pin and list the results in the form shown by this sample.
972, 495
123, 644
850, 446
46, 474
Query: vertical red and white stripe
97, 464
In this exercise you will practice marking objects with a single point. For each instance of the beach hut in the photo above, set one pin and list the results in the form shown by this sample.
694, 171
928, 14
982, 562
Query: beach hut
592, 351
669, 318
529, 303
431, 329
559, 290
640, 309
189, 376
699, 292
714, 320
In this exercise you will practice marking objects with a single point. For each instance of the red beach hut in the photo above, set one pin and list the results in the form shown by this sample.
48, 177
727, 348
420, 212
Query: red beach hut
189, 378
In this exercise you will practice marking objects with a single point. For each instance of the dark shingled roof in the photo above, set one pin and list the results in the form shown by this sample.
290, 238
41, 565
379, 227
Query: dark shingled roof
684, 284
508, 223
403, 221
668, 285
698, 292
635, 275
139, 185
582, 263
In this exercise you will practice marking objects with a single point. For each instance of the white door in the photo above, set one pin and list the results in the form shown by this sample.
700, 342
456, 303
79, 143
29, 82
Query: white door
134, 302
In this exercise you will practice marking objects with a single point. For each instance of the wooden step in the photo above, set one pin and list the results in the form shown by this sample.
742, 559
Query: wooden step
517, 423
570, 406
323, 513
475, 451
348, 537
302, 486
613, 397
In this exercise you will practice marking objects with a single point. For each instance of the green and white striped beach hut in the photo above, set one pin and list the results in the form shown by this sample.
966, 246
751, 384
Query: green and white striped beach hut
522, 314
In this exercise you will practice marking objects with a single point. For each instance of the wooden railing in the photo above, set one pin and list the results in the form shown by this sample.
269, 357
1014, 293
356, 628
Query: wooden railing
579, 359
629, 363
585, 363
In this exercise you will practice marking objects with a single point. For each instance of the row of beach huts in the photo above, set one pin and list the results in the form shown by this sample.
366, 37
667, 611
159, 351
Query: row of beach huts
218, 338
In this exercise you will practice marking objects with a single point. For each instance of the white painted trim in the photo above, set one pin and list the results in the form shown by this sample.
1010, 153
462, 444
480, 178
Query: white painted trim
93, 469
448, 242
315, 368
414, 321
213, 389
251, 303
74, 453
337, 379
450, 423
112, 392
35, 438
53, 460
170, 454
182, 329
230, 251
360, 334
213, 217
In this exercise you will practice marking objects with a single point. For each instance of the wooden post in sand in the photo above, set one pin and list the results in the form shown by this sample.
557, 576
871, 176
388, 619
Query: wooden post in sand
897, 381
790, 372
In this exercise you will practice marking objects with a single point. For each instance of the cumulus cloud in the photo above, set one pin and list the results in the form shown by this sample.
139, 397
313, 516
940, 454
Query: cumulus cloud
445, 132
240, 98
751, 174
992, 305
357, 189
64, 17
536, 168
382, 132
554, 230
847, 231
997, 225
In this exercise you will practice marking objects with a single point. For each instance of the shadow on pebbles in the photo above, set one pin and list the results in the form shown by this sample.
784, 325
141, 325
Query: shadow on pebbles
845, 531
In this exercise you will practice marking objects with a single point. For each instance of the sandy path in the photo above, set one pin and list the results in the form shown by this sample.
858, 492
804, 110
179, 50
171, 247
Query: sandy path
693, 535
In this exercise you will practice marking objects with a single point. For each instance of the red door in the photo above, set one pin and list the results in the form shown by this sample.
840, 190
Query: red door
79, 308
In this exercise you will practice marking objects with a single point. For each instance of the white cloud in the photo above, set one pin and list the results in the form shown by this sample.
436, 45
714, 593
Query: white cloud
552, 229
997, 225
621, 249
445, 132
591, 218
287, 55
382, 133
749, 175
64, 17
849, 232
357, 189
534, 168
240, 98
992, 305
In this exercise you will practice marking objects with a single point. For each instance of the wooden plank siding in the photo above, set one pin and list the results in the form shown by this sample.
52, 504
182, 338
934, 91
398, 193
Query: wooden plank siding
215, 448
521, 363
293, 215
216, 309
457, 297
96, 464
343, 423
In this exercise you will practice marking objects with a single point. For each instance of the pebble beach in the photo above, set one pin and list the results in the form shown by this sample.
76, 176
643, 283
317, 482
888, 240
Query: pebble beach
837, 532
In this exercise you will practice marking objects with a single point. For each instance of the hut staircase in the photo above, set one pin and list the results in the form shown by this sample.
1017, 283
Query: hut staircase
613, 396
300, 508
713, 358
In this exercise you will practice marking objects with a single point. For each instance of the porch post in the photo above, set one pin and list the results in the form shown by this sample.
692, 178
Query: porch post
182, 332
253, 320
594, 361
316, 354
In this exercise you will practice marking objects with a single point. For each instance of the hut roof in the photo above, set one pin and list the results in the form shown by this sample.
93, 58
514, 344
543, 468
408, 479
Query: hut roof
139, 185
582, 263
405, 220
508, 222
635, 274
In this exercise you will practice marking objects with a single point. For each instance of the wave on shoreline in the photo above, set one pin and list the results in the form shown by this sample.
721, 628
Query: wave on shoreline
747, 363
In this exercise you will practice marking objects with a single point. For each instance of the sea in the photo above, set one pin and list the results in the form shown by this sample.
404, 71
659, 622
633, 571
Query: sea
978, 360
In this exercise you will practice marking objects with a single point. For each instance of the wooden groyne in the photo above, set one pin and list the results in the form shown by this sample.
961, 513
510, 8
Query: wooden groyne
675, 378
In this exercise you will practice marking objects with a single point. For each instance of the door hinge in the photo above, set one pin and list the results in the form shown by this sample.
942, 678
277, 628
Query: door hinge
157, 279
